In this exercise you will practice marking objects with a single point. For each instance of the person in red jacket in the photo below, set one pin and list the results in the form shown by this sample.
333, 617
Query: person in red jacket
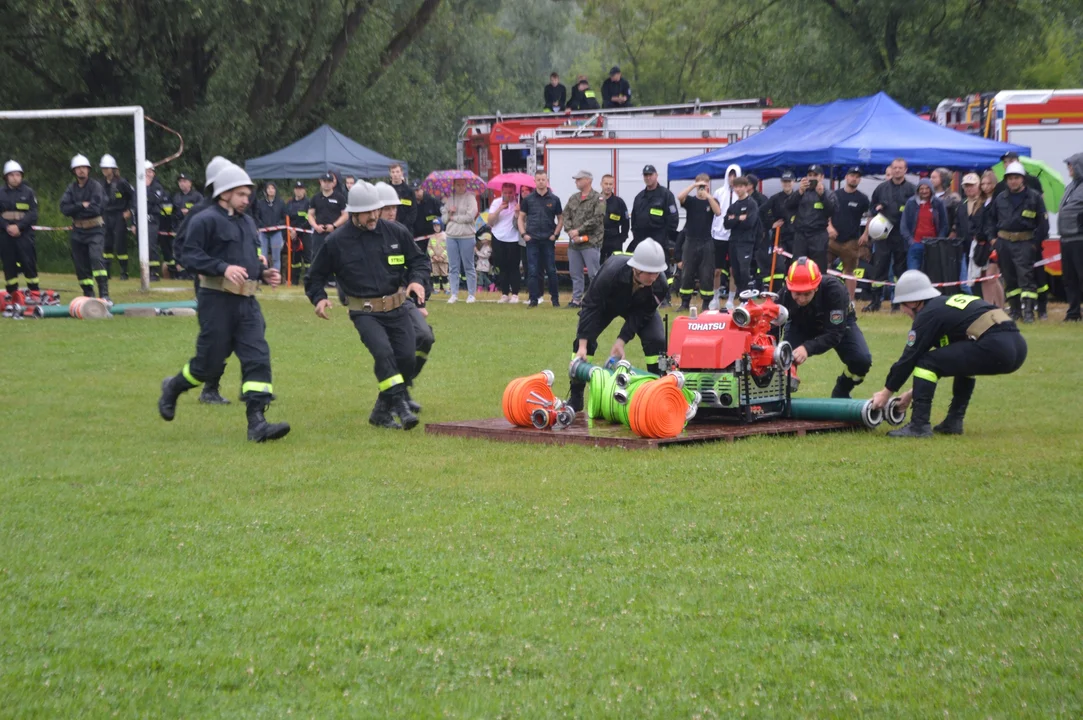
925, 216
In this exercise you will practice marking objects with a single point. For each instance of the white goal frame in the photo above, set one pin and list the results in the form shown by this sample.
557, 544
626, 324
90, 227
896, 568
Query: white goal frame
136, 113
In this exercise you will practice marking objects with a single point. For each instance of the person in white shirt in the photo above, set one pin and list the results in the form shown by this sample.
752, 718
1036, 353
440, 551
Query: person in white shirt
506, 253
725, 196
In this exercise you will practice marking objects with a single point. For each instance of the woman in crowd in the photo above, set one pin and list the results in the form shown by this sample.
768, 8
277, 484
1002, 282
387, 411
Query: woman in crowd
459, 214
992, 291
502, 214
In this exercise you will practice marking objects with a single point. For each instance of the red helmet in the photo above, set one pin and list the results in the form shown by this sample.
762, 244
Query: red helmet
803, 276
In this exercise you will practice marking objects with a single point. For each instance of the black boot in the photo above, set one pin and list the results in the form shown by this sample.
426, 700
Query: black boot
962, 389
1043, 306
873, 306
918, 427
843, 387
211, 395
1014, 304
686, 304
167, 402
381, 414
259, 429
415, 407
575, 397
1028, 310
403, 412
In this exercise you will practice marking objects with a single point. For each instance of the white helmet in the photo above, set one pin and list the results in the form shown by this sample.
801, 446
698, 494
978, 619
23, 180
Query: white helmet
230, 178
1015, 168
148, 165
215, 166
80, 161
879, 227
388, 196
363, 197
648, 257
913, 286
11, 166
107, 161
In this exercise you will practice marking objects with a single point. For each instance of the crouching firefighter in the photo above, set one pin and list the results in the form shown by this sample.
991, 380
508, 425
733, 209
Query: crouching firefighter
960, 336
632, 288
220, 245
822, 318
373, 260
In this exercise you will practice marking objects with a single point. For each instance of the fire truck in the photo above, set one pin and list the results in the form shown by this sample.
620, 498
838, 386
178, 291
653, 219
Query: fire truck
617, 142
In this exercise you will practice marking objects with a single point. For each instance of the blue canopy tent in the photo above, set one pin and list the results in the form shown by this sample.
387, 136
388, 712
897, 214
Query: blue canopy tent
323, 150
868, 132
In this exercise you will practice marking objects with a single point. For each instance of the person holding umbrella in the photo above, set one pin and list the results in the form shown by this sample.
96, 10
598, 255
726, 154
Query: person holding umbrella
502, 215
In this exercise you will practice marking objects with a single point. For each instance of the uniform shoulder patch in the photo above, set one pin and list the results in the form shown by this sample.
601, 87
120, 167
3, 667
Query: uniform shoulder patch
836, 317
911, 339
673, 208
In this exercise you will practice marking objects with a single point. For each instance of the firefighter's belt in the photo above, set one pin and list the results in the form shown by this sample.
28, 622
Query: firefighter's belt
986, 321
387, 303
88, 223
1015, 236
222, 285
13, 215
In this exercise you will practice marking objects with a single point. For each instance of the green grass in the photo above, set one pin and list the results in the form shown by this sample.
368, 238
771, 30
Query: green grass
175, 570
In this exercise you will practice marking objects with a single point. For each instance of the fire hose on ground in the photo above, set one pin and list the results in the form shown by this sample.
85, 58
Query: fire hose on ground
63, 311
853, 411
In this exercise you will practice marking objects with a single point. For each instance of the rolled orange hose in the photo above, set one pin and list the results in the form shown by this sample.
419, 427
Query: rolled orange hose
657, 409
517, 394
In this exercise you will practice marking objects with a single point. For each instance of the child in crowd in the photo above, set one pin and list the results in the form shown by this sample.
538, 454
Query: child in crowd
483, 251
438, 256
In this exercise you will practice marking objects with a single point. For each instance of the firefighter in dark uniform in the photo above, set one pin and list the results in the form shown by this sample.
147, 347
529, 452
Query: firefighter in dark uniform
18, 213
120, 196
426, 217
888, 253
655, 215
957, 336
326, 213
157, 198
297, 214
406, 211
211, 393
390, 206
1041, 277
220, 245
778, 217
616, 219
822, 318
1016, 217
373, 260
629, 287
182, 203
83, 202
812, 207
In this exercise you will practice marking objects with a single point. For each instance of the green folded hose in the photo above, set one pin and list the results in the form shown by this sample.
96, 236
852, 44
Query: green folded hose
172, 305
853, 411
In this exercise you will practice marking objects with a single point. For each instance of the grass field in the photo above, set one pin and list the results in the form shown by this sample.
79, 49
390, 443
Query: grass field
175, 570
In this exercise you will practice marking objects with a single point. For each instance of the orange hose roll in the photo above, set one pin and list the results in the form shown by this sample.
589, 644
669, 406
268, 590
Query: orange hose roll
517, 399
658, 409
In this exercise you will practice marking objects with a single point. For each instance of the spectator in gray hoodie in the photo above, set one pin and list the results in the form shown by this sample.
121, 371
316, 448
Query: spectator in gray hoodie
1070, 222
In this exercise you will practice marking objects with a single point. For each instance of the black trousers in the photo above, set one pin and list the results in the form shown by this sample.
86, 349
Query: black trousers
19, 253
698, 259
424, 337
853, 351
390, 338
506, 257
165, 249
1017, 263
609, 246
152, 246
813, 245
741, 262
87, 255
1001, 350
116, 238
231, 323
1072, 262
888, 261
652, 336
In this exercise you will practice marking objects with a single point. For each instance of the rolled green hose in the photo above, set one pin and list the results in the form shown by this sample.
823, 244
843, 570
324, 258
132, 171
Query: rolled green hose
853, 411
172, 305
53, 311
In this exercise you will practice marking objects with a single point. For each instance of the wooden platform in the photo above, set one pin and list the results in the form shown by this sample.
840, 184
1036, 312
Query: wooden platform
603, 434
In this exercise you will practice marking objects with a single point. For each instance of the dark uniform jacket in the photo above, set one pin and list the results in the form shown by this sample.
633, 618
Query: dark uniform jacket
825, 319
1016, 212
742, 231
616, 220
611, 88
367, 263
187, 201
120, 196
426, 214
556, 96
20, 199
268, 214
655, 215
776, 210
214, 239
889, 200
71, 204
297, 210
157, 199
326, 209
851, 207
407, 210
811, 211
182, 229
610, 296
942, 321
585, 100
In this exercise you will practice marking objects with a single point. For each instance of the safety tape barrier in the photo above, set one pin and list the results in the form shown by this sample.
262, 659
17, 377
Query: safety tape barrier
272, 228
983, 278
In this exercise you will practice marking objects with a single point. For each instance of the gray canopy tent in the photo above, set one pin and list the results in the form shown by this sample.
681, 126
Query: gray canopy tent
323, 150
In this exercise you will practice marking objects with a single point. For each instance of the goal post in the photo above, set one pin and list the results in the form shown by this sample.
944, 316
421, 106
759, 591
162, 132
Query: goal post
136, 113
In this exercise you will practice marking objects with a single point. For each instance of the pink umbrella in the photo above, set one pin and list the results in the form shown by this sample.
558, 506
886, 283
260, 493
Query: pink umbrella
441, 180
518, 179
